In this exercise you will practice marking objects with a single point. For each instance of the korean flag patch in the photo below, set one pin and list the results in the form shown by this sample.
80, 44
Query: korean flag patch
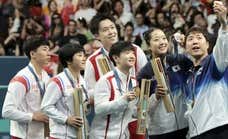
176, 68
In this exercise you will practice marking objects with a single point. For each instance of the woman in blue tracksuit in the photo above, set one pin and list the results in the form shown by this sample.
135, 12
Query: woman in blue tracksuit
161, 124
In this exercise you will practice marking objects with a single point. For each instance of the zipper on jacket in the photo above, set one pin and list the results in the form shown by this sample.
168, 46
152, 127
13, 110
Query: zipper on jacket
193, 90
66, 125
193, 98
122, 123
194, 124
171, 98
64, 103
194, 77
175, 115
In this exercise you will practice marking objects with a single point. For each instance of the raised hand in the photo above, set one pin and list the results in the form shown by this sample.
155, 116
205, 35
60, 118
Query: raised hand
221, 11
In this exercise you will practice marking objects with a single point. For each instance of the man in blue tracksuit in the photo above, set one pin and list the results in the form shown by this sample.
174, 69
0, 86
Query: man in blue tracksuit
207, 86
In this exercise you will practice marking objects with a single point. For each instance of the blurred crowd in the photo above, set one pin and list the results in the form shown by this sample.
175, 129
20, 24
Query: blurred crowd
64, 21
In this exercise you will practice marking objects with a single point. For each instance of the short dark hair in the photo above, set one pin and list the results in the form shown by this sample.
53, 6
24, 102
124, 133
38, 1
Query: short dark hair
119, 47
198, 30
95, 22
67, 52
129, 23
32, 44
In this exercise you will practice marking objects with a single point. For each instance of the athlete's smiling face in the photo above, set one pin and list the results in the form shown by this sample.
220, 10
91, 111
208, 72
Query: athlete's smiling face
107, 33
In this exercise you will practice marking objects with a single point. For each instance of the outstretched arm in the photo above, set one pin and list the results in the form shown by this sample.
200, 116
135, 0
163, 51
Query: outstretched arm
221, 47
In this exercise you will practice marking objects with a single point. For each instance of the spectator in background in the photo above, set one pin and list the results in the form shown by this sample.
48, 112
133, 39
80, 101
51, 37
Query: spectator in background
52, 7
56, 31
82, 28
128, 34
175, 8
199, 20
160, 19
150, 16
164, 23
175, 16
188, 22
68, 11
85, 10
12, 44
140, 27
189, 14
72, 36
71, 28
121, 16
31, 28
